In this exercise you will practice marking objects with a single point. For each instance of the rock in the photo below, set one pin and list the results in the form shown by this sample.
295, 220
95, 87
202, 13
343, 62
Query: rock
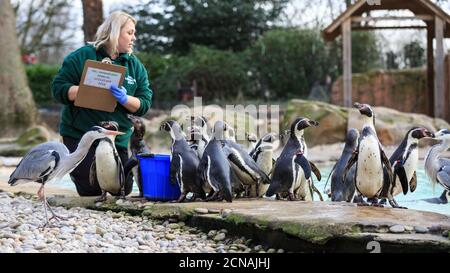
332, 120
420, 229
258, 248
271, 250
100, 231
173, 226
446, 233
219, 237
170, 236
397, 229
225, 213
201, 210
212, 233
280, 250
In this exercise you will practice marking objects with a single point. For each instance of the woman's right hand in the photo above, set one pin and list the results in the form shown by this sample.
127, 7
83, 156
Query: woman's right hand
73, 91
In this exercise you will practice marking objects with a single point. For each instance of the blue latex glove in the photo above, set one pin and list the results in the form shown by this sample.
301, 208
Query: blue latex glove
120, 93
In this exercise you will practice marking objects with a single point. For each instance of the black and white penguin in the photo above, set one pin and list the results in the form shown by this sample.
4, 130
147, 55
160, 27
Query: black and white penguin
199, 136
106, 168
344, 190
404, 163
245, 168
292, 171
370, 159
214, 169
262, 154
137, 146
184, 163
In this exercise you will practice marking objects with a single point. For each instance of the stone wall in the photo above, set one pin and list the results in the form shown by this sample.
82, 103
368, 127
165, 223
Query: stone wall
403, 90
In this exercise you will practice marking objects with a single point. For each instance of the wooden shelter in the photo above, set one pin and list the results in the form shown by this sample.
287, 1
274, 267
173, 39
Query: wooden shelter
437, 24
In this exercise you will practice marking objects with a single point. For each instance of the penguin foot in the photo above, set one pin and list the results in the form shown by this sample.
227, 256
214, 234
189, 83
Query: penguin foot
291, 197
377, 205
383, 201
102, 197
363, 204
395, 205
181, 199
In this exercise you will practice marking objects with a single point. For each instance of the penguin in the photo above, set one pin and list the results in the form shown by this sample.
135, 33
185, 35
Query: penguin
443, 199
137, 146
262, 154
184, 163
292, 171
106, 168
369, 158
404, 162
344, 190
214, 169
199, 134
243, 166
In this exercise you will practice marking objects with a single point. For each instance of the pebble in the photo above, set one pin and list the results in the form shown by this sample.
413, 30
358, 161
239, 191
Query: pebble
397, 229
201, 210
219, 237
420, 229
102, 232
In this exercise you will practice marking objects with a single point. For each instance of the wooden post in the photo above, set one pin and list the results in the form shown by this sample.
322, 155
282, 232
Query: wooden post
439, 92
430, 70
347, 62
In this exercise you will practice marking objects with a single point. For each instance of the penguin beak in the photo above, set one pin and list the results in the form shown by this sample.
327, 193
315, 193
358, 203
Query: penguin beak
113, 133
313, 123
426, 133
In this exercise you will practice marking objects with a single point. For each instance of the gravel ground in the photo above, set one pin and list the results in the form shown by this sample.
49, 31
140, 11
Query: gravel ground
91, 231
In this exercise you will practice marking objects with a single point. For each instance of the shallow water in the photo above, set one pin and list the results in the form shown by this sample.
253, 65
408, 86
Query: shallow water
413, 200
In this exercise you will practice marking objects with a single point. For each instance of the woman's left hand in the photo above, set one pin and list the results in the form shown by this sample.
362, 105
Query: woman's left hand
120, 93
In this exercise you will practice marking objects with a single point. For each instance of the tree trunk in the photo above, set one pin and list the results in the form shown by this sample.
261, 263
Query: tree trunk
93, 18
17, 107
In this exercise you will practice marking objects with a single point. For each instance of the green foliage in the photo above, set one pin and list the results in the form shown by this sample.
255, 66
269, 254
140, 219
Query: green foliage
414, 54
40, 78
227, 25
291, 61
365, 52
219, 74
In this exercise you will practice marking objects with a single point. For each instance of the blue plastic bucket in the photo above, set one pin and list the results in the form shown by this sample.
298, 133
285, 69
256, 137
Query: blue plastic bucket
156, 184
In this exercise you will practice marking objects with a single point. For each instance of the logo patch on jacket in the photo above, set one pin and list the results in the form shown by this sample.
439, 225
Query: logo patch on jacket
130, 80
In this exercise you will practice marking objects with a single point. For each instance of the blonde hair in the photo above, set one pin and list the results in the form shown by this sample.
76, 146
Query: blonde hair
108, 33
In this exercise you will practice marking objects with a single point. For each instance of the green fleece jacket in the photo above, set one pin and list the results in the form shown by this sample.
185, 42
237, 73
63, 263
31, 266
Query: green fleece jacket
75, 121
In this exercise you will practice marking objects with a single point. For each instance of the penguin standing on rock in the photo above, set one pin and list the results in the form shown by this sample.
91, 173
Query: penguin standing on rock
184, 163
370, 159
262, 154
344, 190
106, 168
404, 162
292, 172
214, 169
137, 146
245, 168
199, 135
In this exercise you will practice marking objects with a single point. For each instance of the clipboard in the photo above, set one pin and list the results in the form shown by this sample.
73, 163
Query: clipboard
93, 90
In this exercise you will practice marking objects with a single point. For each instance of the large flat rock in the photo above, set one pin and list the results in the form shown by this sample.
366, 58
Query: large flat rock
301, 226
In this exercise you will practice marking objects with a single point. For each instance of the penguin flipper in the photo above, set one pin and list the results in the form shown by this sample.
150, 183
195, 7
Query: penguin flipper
315, 170
387, 164
120, 174
174, 169
301, 160
413, 182
349, 164
328, 178
400, 172
93, 173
